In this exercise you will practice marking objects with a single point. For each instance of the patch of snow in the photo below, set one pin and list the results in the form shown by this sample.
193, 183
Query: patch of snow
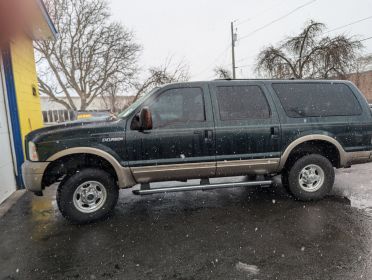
247, 268
356, 185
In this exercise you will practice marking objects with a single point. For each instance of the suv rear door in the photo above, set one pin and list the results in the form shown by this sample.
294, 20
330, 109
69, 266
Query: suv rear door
247, 128
181, 144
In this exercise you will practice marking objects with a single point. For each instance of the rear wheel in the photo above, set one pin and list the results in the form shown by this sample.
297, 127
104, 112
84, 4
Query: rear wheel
285, 182
87, 196
310, 178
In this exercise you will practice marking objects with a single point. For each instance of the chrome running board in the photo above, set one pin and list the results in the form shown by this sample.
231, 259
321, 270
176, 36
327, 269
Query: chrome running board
201, 187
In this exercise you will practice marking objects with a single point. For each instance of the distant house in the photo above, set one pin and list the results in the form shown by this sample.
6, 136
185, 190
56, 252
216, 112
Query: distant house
364, 82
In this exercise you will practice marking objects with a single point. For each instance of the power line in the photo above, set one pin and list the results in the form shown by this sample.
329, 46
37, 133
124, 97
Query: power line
253, 64
270, 23
334, 29
349, 24
242, 21
277, 19
239, 22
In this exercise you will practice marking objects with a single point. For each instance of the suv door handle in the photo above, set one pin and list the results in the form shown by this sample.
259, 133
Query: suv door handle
274, 130
208, 136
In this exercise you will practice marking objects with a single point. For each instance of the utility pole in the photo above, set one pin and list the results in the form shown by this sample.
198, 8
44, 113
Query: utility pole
233, 40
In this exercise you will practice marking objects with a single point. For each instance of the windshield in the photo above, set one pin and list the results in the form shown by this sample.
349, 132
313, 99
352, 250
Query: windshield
136, 103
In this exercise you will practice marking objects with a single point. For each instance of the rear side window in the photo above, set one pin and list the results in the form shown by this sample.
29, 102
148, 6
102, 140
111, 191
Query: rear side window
317, 100
242, 102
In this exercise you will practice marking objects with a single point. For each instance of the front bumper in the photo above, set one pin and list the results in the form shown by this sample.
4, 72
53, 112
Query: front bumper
32, 173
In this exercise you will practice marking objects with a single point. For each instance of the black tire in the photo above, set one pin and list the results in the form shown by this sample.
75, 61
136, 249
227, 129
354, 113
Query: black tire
67, 188
285, 180
303, 192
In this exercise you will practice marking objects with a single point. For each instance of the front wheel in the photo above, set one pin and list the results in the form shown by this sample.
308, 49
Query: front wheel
310, 178
87, 196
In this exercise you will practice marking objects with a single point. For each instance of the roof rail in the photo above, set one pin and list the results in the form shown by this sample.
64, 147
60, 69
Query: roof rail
258, 79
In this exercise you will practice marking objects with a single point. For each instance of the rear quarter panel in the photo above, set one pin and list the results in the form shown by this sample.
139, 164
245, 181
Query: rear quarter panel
352, 132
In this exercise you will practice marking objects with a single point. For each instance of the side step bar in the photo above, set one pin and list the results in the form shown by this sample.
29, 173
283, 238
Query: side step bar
201, 187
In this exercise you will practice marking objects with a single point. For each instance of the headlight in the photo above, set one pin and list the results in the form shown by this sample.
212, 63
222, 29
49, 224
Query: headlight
32, 153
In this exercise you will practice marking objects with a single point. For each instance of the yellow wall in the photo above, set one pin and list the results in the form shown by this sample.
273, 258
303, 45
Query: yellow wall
24, 71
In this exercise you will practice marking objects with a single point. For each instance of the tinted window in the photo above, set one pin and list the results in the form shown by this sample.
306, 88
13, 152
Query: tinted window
317, 100
242, 102
182, 105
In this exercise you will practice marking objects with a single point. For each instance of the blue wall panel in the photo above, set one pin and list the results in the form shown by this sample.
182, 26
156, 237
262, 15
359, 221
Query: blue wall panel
13, 108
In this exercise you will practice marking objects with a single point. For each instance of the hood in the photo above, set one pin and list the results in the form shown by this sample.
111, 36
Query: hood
75, 129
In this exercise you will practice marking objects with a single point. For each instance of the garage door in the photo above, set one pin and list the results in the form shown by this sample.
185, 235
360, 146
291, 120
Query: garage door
7, 177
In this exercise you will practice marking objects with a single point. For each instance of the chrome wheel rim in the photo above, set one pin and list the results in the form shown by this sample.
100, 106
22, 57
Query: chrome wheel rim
89, 196
311, 178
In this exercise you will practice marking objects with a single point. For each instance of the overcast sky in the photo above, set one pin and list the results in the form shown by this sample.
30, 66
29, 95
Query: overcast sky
198, 31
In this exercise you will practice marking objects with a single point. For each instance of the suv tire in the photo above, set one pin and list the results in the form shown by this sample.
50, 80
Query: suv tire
87, 196
284, 178
310, 178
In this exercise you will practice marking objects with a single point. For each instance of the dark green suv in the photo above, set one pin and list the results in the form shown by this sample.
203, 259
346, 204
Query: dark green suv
200, 130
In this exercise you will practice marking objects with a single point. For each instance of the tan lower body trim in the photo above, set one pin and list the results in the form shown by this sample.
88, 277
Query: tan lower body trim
170, 172
358, 157
243, 167
185, 171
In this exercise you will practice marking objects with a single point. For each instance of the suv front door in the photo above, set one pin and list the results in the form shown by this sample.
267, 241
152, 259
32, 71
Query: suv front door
247, 129
181, 144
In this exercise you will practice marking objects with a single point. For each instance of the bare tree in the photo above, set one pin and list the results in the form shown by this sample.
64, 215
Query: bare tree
309, 55
110, 97
222, 73
167, 73
93, 55
117, 102
364, 63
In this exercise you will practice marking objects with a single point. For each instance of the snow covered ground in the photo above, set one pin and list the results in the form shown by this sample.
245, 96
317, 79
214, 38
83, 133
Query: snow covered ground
355, 183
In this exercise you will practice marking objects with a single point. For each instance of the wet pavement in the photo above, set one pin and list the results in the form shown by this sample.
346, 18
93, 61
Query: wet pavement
242, 233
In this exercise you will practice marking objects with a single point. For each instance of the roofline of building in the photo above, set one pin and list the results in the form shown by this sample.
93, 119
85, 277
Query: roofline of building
47, 18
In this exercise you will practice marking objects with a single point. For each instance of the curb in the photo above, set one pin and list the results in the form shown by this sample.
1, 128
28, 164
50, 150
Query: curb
10, 201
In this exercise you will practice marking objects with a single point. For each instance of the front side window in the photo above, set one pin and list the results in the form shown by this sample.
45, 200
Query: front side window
180, 105
242, 102
317, 99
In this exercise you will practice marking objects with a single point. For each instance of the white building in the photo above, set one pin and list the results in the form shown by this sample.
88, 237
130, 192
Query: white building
54, 112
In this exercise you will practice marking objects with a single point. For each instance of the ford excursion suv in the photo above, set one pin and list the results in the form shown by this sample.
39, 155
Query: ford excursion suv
302, 130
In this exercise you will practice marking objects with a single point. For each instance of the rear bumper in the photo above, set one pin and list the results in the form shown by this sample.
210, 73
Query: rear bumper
32, 173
